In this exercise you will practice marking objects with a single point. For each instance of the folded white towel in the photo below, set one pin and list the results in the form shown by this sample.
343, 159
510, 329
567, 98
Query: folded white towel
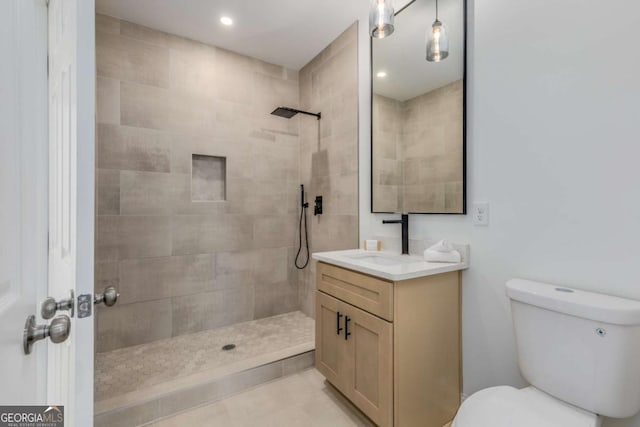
435, 256
442, 246
442, 251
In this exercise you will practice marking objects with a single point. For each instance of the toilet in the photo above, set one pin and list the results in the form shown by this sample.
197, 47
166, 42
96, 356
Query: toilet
580, 351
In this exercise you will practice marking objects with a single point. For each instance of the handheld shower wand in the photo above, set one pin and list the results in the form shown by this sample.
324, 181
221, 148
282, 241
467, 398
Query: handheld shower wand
303, 214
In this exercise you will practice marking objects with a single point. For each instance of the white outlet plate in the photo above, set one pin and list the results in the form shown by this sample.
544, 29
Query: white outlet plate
480, 212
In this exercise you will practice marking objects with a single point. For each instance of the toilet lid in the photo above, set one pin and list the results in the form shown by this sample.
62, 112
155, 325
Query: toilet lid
507, 407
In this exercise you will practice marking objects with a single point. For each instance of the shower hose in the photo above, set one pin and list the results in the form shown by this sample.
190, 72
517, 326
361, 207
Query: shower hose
303, 215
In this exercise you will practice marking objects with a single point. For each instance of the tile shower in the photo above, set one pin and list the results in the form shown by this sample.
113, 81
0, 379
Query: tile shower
406, 173
197, 206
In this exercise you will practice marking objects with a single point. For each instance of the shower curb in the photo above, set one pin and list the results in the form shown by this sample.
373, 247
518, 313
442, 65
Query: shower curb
168, 404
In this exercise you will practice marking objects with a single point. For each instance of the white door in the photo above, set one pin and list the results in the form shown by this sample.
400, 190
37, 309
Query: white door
23, 195
47, 193
71, 199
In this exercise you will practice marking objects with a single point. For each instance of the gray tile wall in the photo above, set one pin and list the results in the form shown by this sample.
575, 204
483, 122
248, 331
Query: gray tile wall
387, 117
418, 161
183, 266
329, 151
433, 153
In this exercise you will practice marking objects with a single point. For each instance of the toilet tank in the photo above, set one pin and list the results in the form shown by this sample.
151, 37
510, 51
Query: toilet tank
580, 347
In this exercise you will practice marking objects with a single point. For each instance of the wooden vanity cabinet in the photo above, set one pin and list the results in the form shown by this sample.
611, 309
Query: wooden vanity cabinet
392, 348
359, 364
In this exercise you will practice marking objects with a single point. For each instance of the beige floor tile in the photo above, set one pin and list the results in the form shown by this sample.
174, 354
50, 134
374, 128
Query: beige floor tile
210, 415
287, 417
300, 400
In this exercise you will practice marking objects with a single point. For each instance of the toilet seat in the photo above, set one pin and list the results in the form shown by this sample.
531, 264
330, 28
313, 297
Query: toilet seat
529, 407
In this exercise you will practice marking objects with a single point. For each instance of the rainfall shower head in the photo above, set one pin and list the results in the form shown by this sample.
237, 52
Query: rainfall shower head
287, 112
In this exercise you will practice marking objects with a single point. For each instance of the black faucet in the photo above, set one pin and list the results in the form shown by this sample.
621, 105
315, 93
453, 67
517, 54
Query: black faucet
405, 231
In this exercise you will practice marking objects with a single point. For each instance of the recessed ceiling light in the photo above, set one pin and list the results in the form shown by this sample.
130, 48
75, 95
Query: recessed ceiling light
381, 74
226, 21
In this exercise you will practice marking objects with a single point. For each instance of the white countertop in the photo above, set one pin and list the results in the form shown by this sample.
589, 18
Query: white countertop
407, 267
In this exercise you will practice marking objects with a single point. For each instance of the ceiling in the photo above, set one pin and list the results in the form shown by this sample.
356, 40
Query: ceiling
402, 55
292, 32
283, 32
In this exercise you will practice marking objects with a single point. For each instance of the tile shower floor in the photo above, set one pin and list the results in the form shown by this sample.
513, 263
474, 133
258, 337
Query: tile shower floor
133, 369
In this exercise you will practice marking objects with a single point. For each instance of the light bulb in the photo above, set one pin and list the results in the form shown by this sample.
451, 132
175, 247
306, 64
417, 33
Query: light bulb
381, 18
437, 42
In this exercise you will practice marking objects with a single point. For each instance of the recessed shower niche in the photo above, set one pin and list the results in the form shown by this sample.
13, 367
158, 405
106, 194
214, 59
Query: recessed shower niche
208, 178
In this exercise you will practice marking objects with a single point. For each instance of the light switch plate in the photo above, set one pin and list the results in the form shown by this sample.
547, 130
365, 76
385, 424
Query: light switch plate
480, 213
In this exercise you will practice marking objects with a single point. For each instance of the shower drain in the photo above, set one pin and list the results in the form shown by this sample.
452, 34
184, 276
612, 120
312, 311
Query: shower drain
228, 347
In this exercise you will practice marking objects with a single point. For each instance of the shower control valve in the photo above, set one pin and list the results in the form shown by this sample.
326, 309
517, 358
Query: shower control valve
317, 208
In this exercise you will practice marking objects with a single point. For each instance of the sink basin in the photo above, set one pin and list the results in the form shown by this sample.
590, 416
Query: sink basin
383, 259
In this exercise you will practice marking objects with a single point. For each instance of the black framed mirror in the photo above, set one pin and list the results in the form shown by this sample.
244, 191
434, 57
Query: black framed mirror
418, 111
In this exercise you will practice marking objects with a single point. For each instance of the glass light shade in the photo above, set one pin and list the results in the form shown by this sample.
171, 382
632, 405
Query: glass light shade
437, 42
381, 18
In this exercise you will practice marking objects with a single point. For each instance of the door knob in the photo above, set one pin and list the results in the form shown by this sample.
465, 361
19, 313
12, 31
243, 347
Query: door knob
57, 331
50, 306
108, 297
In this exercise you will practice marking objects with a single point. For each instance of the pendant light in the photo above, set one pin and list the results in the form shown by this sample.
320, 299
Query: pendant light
381, 17
437, 41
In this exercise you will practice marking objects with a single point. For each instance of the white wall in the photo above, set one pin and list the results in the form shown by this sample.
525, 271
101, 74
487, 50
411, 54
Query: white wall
553, 122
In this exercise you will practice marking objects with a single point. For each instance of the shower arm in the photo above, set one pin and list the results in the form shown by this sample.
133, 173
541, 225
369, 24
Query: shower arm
316, 115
